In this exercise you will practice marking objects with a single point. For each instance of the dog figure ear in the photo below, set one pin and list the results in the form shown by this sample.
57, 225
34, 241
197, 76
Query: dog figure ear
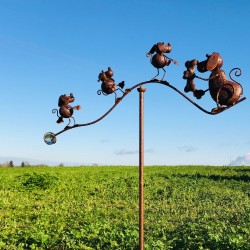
62, 100
152, 51
70, 98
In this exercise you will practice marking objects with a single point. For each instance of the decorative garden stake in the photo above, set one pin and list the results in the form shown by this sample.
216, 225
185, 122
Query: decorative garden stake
224, 92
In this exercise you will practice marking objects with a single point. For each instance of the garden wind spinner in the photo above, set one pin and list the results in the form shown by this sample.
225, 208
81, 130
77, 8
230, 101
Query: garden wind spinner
224, 92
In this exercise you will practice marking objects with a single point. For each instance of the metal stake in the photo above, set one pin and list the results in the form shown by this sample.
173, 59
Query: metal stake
141, 167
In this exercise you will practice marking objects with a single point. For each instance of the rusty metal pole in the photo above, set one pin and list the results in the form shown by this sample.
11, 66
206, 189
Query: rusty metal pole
141, 167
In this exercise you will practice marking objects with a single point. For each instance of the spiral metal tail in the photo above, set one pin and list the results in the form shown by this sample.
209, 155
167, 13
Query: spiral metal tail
55, 111
99, 92
236, 73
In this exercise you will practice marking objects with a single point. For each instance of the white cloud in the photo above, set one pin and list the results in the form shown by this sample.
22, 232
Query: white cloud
126, 152
130, 152
241, 160
187, 149
104, 140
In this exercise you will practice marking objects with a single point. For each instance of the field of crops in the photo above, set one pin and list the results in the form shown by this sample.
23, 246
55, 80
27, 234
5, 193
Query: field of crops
192, 207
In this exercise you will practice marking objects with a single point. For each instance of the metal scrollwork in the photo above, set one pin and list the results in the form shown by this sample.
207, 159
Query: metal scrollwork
236, 73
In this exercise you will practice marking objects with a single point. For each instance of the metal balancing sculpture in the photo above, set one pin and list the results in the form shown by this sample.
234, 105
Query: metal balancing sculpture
224, 92
108, 83
159, 60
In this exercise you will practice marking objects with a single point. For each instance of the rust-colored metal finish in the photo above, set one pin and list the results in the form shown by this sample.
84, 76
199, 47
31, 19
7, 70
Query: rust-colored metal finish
108, 85
223, 92
66, 110
127, 91
159, 60
141, 166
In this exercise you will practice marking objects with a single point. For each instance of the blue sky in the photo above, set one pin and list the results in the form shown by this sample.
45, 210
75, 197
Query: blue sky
52, 47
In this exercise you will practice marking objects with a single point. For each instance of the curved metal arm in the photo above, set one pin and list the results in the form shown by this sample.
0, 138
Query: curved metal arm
127, 91
206, 79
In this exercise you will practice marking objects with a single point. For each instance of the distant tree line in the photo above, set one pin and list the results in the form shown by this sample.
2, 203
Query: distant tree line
10, 164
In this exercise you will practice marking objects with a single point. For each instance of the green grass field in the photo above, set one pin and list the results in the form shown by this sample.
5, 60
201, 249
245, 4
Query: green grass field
187, 207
